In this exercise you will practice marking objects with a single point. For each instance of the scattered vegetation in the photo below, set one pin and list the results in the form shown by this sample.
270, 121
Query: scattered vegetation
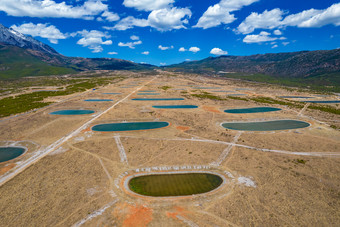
300, 161
26, 102
237, 98
324, 83
334, 127
269, 100
325, 108
165, 88
207, 95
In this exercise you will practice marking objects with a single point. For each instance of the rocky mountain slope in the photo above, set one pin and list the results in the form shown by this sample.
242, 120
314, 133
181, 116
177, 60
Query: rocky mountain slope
21, 56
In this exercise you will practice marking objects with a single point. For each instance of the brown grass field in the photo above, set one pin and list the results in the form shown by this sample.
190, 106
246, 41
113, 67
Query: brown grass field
73, 176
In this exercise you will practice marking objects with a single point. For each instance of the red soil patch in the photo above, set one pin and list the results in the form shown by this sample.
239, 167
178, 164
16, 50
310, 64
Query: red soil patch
178, 211
183, 128
131, 215
87, 129
7, 168
211, 109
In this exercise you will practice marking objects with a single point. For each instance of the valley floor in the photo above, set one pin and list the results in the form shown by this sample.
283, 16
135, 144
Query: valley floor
71, 175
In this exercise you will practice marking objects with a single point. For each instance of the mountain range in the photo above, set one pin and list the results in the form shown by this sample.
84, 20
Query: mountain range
319, 69
294, 64
22, 56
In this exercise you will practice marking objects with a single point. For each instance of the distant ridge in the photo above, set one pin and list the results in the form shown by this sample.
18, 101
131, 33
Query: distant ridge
293, 64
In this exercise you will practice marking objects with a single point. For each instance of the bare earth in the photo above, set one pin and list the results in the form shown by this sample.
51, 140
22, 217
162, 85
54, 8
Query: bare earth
71, 175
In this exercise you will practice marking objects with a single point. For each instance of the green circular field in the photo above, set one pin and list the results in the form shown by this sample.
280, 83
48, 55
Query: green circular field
182, 184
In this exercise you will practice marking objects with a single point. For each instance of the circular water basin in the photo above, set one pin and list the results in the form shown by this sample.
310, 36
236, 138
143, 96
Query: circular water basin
252, 110
72, 112
9, 153
294, 97
158, 99
176, 107
148, 94
98, 100
266, 125
324, 101
236, 94
223, 91
206, 88
175, 184
243, 89
129, 126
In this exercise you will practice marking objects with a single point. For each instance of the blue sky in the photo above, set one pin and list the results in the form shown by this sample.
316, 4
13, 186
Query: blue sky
171, 31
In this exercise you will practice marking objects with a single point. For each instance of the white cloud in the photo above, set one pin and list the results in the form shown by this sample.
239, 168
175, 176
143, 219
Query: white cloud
165, 48
298, 18
169, 19
50, 8
134, 37
112, 53
146, 52
93, 40
110, 16
218, 51
274, 46
49, 32
161, 19
194, 49
147, 5
285, 43
262, 37
277, 32
131, 45
307, 19
318, 18
220, 13
129, 22
266, 20
162, 63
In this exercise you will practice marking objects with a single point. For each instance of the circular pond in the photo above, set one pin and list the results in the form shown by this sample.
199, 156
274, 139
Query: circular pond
223, 91
9, 153
176, 107
236, 94
148, 94
325, 101
98, 100
206, 87
72, 112
252, 110
266, 125
294, 97
129, 126
174, 184
158, 99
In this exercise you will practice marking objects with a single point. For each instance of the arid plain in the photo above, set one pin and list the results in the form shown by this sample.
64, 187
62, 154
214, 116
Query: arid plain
72, 175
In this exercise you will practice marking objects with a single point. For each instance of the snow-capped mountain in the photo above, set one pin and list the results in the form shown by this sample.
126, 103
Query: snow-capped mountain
12, 37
